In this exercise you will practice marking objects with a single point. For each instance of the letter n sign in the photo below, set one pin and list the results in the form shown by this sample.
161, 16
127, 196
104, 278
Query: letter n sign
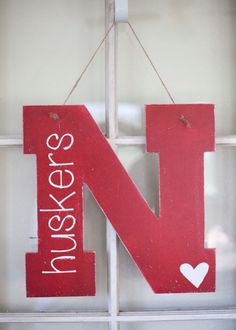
71, 151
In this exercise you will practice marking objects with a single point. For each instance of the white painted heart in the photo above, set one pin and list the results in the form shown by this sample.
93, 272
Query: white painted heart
195, 275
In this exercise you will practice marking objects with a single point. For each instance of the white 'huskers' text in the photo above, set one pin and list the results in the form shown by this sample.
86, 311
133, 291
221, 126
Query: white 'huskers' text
61, 219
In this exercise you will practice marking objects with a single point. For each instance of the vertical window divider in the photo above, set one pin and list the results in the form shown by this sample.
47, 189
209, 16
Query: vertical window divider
111, 133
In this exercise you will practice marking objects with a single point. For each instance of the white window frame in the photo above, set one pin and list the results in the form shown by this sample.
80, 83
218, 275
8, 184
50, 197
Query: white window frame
113, 317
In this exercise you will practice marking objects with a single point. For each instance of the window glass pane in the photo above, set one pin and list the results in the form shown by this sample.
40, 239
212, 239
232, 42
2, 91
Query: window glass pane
18, 223
192, 44
54, 326
183, 325
220, 212
44, 46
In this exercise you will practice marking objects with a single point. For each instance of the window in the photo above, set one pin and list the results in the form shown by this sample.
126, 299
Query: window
44, 45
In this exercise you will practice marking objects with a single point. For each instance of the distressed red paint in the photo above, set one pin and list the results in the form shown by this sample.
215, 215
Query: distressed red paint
168, 250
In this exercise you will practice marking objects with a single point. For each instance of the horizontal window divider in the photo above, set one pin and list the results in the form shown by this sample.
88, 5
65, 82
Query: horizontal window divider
178, 315
78, 317
10, 140
47, 317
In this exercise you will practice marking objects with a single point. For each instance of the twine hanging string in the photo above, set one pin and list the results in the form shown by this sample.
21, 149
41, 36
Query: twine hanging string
152, 64
96, 51
88, 64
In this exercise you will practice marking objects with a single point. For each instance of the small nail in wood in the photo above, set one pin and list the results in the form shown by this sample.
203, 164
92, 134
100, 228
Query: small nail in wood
185, 121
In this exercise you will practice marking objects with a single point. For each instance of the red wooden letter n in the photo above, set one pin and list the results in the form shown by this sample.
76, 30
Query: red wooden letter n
71, 151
